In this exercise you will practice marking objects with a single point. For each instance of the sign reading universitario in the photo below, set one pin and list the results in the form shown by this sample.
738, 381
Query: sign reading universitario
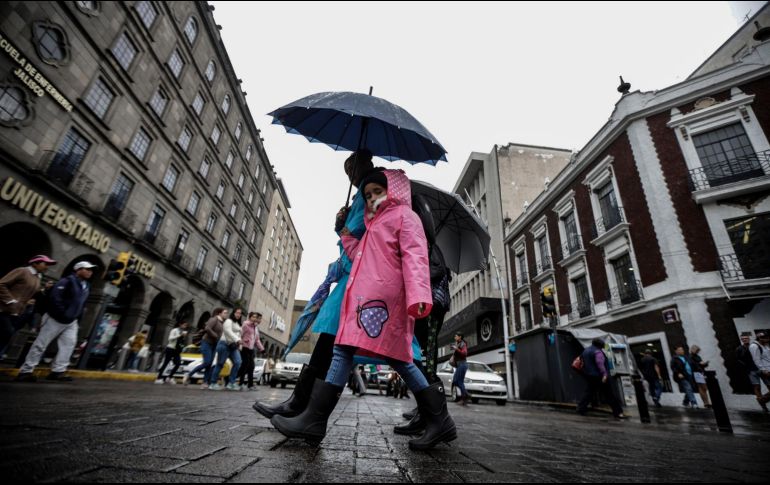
26, 199
30, 76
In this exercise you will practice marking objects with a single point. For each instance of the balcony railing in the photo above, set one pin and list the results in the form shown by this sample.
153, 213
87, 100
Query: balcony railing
580, 310
572, 246
626, 294
158, 242
608, 222
182, 260
544, 265
522, 279
733, 170
734, 270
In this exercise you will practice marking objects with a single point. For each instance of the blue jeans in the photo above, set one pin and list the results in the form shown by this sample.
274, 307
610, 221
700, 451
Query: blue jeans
343, 361
689, 395
208, 358
656, 390
459, 378
223, 352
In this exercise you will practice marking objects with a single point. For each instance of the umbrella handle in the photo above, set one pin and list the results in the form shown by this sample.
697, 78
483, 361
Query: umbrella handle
364, 129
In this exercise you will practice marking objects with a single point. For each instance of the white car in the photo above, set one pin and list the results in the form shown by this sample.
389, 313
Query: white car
288, 371
259, 369
481, 382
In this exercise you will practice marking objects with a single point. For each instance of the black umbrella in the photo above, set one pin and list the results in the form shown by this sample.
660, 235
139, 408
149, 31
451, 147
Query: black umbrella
461, 236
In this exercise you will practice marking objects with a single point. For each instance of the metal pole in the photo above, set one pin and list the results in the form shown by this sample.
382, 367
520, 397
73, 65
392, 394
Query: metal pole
508, 371
718, 403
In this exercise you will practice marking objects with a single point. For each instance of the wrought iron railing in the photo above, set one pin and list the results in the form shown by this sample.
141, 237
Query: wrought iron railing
625, 294
735, 269
607, 222
580, 310
735, 169
522, 279
544, 265
572, 246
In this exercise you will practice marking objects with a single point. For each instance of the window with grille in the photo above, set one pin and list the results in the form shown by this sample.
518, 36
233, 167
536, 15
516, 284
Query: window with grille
226, 239
226, 104
526, 312
68, 158
211, 223
159, 101
215, 134
571, 231
221, 190
153, 225
198, 103
217, 271
545, 260
727, 155
238, 251
51, 43
191, 30
169, 180
582, 296
201, 259
140, 144
12, 106
238, 129
185, 138
175, 63
124, 51
626, 279
146, 12
99, 98
204, 168
608, 205
119, 193
229, 160
181, 244
211, 71
192, 204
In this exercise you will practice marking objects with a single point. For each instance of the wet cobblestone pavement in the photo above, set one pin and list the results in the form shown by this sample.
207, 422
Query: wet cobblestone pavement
101, 431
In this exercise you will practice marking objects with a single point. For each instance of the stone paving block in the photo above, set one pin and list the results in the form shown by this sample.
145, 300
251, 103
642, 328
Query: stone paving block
262, 474
268, 439
140, 462
193, 450
49, 468
368, 466
220, 464
116, 475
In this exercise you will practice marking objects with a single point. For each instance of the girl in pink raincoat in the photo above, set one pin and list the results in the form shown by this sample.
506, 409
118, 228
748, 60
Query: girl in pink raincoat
389, 286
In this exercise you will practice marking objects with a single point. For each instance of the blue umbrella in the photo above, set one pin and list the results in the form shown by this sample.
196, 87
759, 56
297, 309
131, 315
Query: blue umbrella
350, 121
310, 311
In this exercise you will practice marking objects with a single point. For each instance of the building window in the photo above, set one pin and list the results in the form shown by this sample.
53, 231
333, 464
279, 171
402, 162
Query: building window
233, 209
253, 238
124, 51
545, 258
221, 190
264, 187
175, 63
99, 98
750, 238
201, 260
169, 180
229, 160
608, 204
191, 30
230, 283
238, 252
185, 138
238, 129
204, 168
217, 271
226, 239
627, 289
146, 12
259, 213
244, 225
51, 43
241, 289
211, 223
140, 144
272, 233
251, 198
13, 108
241, 179
583, 297
159, 101
68, 158
216, 133
256, 172
153, 225
211, 71
192, 205
88, 7
181, 244
247, 264
727, 155
571, 232
198, 104
526, 312
118, 198
226, 104
248, 152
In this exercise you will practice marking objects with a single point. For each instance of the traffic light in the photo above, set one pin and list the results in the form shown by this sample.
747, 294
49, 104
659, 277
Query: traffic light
117, 268
549, 303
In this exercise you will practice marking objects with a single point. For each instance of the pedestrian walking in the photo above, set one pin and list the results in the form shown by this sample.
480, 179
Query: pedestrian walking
389, 287
173, 352
650, 369
17, 288
229, 346
65, 308
682, 368
266, 376
459, 361
699, 375
249, 340
212, 332
596, 371
760, 353
135, 347
358, 379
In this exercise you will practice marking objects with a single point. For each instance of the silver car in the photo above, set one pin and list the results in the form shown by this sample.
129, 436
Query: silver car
481, 382
288, 372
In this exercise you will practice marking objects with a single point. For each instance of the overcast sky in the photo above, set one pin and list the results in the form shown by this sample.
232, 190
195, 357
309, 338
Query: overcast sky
475, 74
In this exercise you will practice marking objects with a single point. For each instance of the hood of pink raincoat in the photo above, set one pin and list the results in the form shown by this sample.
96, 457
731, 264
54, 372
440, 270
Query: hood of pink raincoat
399, 191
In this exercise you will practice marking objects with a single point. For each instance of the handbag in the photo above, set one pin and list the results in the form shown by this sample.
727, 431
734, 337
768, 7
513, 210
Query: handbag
700, 378
453, 362
578, 364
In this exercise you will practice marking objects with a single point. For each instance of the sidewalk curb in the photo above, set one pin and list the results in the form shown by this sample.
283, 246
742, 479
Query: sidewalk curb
561, 406
86, 374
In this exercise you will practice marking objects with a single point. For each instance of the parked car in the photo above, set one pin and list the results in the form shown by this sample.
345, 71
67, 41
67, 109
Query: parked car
287, 372
383, 376
481, 382
259, 369
191, 358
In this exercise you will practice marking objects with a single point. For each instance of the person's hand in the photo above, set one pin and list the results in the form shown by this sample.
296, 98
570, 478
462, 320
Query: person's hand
680, 376
345, 232
342, 216
604, 379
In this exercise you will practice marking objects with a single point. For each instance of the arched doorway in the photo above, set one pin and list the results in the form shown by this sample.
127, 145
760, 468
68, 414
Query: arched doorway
97, 280
186, 313
203, 320
19, 242
159, 318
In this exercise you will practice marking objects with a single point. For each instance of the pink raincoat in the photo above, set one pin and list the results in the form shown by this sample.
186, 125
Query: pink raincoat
390, 277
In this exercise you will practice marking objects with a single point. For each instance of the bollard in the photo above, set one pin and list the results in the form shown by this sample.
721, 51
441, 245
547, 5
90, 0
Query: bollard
718, 402
641, 399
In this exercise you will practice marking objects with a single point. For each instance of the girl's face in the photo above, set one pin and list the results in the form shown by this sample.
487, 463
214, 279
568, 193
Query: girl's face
237, 314
373, 192
224, 315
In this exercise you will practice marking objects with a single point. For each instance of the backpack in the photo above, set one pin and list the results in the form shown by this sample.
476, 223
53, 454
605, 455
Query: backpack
578, 364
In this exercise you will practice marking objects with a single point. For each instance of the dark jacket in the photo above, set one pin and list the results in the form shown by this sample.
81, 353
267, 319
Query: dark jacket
743, 355
697, 363
461, 352
67, 299
679, 367
647, 366
590, 366
214, 330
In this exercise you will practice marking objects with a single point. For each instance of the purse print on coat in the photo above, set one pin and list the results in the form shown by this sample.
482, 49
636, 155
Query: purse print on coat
372, 316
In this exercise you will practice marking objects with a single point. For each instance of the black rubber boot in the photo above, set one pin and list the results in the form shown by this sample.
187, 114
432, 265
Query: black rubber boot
410, 414
298, 400
416, 425
311, 424
439, 426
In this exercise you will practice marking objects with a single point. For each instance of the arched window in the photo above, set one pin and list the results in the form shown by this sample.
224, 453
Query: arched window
226, 104
13, 106
51, 43
211, 71
238, 130
191, 30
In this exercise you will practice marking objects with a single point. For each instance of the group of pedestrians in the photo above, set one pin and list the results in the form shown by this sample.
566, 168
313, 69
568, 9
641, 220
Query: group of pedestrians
754, 359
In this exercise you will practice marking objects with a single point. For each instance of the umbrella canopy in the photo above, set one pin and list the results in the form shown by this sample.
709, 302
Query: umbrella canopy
350, 121
461, 236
